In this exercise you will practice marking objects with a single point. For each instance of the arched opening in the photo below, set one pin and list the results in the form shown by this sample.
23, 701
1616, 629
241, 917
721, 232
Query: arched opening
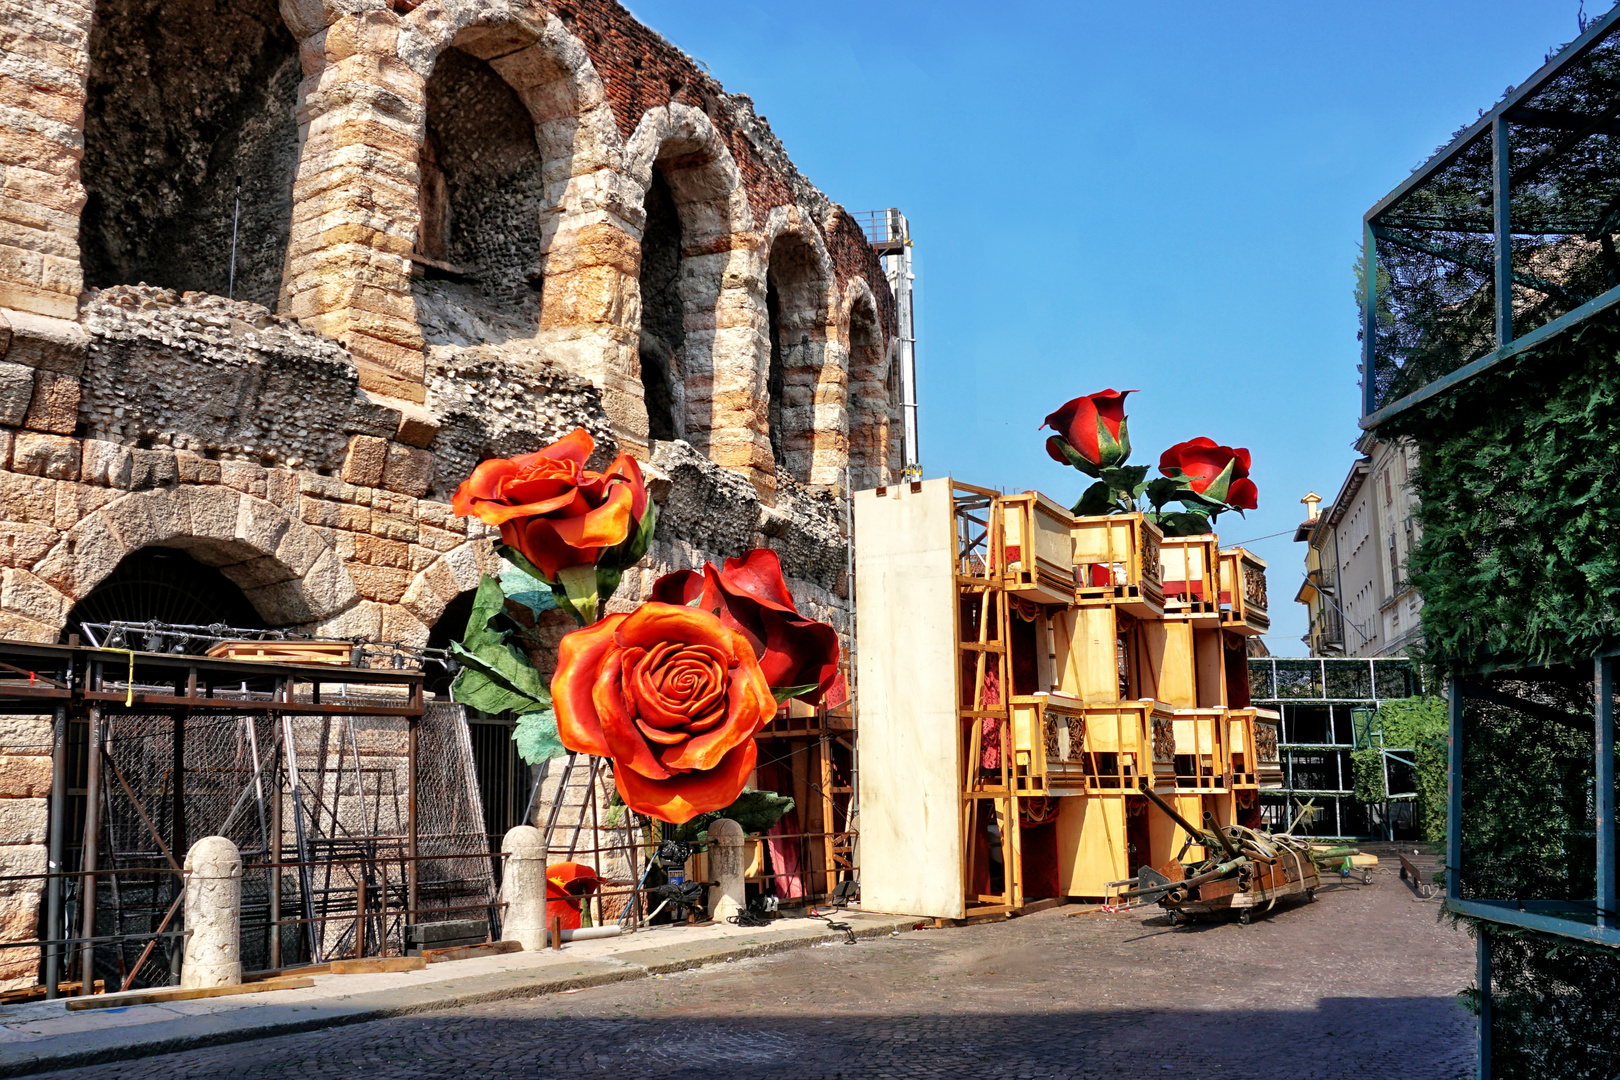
478, 262
185, 98
870, 413
166, 585
795, 308
663, 316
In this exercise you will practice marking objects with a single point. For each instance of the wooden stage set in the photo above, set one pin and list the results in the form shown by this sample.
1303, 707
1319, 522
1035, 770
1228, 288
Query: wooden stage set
1024, 676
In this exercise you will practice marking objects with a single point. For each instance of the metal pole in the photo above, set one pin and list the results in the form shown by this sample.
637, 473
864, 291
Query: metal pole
1607, 916
275, 869
1454, 795
53, 891
236, 218
410, 819
1501, 202
177, 827
92, 820
1484, 944
1369, 322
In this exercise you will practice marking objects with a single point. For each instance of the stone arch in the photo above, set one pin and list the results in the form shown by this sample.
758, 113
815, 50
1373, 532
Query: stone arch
516, 126
454, 572
285, 568
367, 81
872, 403
695, 319
184, 99
805, 369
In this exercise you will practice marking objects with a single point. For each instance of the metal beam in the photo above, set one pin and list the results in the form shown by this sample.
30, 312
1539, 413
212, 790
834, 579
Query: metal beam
1454, 799
1536, 337
1369, 322
1501, 213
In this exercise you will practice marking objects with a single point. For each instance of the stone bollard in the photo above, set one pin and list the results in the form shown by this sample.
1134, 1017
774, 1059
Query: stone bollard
523, 887
727, 865
213, 954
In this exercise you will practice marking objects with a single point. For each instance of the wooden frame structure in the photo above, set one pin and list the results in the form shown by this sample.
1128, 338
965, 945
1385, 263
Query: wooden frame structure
1038, 671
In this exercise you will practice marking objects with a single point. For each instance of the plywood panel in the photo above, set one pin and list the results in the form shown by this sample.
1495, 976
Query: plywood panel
1091, 844
910, 770
1211, 659
1093, 656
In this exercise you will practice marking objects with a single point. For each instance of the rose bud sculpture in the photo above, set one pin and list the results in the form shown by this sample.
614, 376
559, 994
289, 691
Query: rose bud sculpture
674, 697
799, 656
573, 528
1091, 432
1218, 475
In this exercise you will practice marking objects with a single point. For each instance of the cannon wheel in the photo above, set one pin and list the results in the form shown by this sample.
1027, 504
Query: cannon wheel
1310, 895
1243, 917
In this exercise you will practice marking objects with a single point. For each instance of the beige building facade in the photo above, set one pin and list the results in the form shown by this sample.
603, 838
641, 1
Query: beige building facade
1356, 589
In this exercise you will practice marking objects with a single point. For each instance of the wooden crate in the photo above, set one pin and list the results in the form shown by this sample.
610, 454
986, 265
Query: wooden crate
1116, 561
1240, 748
1268, 759
1037, 548
1243, 592
1048, 737
1197, 760
1189, 574
337, 653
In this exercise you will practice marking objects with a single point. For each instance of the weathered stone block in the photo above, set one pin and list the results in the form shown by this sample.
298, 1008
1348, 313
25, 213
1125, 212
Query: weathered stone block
27, 498
23, 734
393, 526
23, 777
214, 511
417, 426
23, 545
47, 342
16, 391
55, 404
244, 476
24, 594
409, 470
108, 464
380, 552
384, 584
365, 459
23, 821
54, 456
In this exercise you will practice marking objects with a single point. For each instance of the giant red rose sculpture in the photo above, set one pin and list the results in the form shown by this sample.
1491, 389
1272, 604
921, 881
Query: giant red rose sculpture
572, 527
1218, 473
674, 697
796, 653
1091, 432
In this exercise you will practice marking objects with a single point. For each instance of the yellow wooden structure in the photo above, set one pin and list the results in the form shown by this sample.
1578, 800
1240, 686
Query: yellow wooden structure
1035, 672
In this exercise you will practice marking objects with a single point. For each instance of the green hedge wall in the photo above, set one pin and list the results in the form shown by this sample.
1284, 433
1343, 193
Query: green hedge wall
1521, 507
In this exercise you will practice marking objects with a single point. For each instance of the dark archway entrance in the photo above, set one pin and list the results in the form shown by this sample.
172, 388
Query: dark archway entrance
166, 585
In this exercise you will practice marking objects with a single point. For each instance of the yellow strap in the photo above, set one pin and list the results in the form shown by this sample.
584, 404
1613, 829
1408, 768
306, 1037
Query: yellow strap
129, 694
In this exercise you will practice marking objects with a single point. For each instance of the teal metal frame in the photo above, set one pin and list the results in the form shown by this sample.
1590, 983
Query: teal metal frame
1496, 120
1548, 916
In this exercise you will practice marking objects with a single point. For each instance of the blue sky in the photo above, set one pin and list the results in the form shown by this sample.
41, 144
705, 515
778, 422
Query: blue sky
1165, 199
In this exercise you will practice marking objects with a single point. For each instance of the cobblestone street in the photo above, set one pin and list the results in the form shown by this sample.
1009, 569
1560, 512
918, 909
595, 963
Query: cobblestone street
1362, 983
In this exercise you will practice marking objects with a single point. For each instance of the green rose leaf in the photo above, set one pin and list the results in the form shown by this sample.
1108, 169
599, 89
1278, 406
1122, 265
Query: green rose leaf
1060, 450
536, 737
783, 693
1098, 499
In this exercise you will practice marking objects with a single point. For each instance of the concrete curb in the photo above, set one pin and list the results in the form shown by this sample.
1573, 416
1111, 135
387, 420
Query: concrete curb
268, 1021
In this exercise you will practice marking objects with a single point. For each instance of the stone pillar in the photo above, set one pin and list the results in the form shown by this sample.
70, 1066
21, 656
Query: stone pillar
213, 915
727, 864
523, 887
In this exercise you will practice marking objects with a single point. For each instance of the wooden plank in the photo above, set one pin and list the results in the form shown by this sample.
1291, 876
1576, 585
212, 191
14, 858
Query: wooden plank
155, 997
910, 755
371, 965
278, 973
469, 952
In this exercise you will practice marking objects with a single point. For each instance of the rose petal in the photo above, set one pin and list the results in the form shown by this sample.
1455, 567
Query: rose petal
680, 587
684, 796
579, 655
624, 738
576, 446
602, 527
750, 705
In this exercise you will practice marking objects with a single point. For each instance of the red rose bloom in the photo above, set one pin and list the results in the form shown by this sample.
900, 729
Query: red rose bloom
552, 509
673, 697
752, 598
1094, 428
1212, 470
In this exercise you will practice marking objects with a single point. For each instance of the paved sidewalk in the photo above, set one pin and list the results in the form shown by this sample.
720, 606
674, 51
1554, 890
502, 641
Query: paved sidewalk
44, 1036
